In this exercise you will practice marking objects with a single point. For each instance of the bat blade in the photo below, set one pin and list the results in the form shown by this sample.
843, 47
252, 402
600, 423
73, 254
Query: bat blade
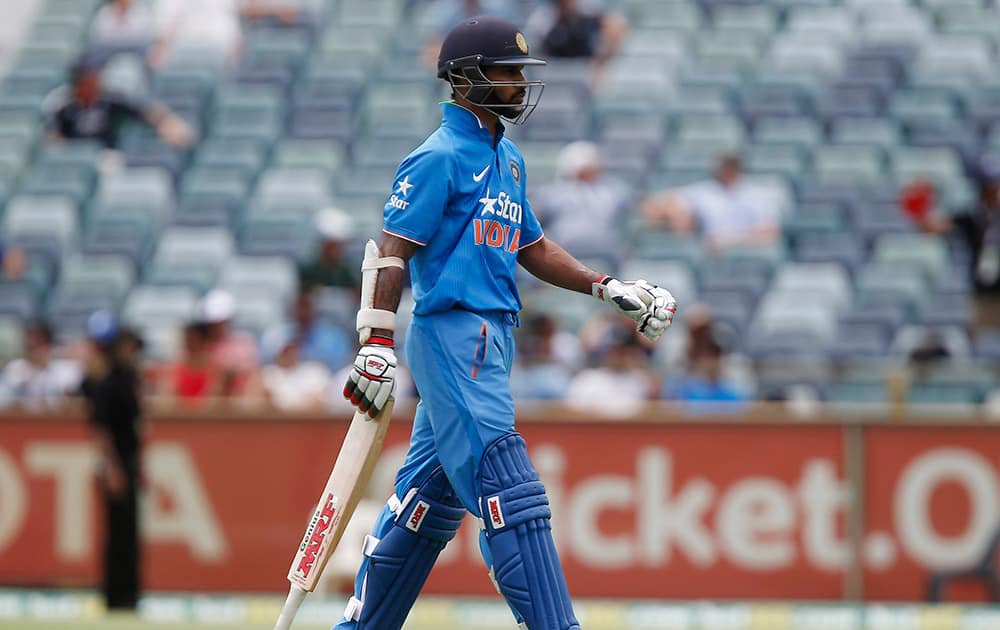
344, 488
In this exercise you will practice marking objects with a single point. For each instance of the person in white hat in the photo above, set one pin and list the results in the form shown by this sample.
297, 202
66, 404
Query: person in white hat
328, 268
234, 352
584, 208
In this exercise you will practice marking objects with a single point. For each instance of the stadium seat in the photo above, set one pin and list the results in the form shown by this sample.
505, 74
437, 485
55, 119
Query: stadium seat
11, 338
924, 252
275, 273
46, 216
148, 305
97, 274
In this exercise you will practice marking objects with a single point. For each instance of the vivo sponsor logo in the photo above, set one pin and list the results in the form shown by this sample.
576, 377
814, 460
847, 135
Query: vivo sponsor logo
417, 517
496, 515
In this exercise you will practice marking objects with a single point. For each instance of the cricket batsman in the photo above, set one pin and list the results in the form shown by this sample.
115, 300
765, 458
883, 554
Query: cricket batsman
459, 217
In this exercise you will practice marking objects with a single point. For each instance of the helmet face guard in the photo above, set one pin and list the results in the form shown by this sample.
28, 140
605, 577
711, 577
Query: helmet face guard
472, 84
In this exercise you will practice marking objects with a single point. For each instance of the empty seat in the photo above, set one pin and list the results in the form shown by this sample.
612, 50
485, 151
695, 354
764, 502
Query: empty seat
722, 131
275, 273
148, 305
847, 163
925, 252
891, 282
11, 339
17, 299
148, 191
292, 189
104, 274
275, 235
860, 341
799, 131
829, 280
48, 216
879, 132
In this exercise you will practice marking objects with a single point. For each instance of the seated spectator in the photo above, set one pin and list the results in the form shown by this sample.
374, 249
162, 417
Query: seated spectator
329, 268
211, 29
727, 210
234, 352
39, 381
621, 385
584, 209
445, 14
84, 110
702, 378
577, 29
289, 382
123, 24
194, 379
978, 229
546, 360
319, 341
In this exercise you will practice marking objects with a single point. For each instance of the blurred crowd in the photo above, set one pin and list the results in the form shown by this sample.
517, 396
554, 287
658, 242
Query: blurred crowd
299, 364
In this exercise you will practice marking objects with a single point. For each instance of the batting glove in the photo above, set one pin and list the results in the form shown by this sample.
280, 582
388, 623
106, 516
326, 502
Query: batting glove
373, 380
650, 306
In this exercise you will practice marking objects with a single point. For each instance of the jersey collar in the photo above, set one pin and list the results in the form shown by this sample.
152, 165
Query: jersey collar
464, 120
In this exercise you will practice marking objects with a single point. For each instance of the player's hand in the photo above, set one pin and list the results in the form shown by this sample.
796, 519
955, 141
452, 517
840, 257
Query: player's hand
650, 306
373, 379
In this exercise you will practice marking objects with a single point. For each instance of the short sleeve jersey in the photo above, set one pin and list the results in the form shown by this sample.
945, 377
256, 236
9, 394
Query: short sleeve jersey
461, 196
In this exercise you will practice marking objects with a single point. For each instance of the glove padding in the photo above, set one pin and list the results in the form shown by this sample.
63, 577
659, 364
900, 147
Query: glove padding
373, 380
650, 306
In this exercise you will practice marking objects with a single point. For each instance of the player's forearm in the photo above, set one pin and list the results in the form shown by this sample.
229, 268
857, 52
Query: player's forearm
389, 287
550, 263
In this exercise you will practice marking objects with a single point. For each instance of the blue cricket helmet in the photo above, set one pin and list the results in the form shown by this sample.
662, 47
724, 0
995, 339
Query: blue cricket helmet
484, 41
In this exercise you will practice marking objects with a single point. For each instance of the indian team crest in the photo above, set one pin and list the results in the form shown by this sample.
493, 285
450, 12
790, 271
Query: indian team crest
515, 170
522, 44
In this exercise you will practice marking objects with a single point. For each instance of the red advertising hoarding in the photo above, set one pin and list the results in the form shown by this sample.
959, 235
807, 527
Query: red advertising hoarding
717, 510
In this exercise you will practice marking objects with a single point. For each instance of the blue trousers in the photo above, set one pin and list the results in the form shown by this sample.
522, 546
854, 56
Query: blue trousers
461, 364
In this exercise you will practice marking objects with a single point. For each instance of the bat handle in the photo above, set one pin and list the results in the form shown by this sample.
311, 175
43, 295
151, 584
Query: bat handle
295, 597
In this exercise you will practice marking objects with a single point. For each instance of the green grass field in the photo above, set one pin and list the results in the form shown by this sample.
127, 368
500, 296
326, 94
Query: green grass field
83, 610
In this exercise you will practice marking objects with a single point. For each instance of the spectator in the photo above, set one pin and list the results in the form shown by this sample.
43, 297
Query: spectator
584, 208
329, 267
289, 382
578, 29
38, 381
444, 14
123, 25
320, 341
111, 388
12, 263
210, 30
621, 384
547, 360
234, 352
978, 228
86, 111
194, 379
702, 378
727, 210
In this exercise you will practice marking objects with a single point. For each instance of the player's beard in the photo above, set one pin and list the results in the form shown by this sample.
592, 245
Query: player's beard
512, 107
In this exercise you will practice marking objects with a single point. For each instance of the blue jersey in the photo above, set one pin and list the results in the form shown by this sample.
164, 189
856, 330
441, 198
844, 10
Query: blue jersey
462, 197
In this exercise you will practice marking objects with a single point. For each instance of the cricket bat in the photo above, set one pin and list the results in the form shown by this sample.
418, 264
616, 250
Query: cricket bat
344, 488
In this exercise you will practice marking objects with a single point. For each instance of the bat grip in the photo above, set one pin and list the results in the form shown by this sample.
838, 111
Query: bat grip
295, 597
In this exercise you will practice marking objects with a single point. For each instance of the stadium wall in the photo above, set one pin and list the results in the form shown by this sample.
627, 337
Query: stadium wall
716, 507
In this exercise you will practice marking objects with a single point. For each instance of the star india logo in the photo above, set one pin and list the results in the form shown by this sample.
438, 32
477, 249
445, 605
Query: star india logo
403, 187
